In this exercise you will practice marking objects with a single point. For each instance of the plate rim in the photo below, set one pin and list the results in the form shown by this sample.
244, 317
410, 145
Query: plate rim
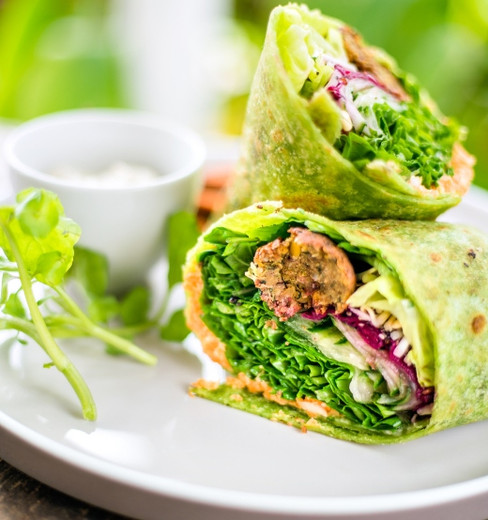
397, 502
240, 500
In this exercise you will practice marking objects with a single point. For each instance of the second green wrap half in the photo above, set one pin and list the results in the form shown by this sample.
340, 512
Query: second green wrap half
335, 127
372, 331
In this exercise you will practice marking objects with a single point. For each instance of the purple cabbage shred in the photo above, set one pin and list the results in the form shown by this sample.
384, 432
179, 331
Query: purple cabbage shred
379, 339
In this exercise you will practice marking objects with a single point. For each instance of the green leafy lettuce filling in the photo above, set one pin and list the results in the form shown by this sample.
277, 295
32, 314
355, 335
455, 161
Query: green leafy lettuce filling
302, 36
258, 344
413, 137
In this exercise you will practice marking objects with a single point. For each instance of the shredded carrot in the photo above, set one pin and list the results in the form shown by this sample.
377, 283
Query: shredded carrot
462, 163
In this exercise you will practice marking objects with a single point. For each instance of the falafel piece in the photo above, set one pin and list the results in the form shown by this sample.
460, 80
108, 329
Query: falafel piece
304, 272
364, 58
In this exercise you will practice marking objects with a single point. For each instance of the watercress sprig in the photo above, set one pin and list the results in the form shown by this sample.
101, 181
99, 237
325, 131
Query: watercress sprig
38, 242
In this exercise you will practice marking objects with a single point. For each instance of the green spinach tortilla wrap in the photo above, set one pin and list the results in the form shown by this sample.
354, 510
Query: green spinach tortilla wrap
372, 331
335, 127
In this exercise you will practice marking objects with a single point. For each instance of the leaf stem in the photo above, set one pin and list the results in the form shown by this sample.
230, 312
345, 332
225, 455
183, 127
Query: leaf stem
20, 325
121, 344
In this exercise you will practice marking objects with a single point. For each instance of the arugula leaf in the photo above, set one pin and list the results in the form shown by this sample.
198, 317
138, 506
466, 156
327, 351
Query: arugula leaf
134, 307
182, 235
14, 307
90, 269
102, 309
175, 328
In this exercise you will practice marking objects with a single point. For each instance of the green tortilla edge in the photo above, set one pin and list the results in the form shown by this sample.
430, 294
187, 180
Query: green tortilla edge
244, 400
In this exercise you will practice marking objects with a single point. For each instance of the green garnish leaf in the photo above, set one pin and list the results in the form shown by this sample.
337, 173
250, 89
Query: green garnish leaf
102, 309
91, 270
14, 307
46, 250
134, 308
38, 212
182, 235
175, 329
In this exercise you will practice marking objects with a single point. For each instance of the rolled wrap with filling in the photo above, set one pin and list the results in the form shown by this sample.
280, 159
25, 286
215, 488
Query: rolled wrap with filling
335, 127
372, 331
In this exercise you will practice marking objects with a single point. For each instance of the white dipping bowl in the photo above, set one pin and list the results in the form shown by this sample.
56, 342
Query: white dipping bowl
126, 223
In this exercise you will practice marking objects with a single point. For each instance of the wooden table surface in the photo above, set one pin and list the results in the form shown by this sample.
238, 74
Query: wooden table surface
24, 498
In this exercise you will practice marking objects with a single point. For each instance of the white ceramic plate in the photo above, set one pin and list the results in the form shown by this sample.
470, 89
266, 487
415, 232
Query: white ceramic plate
156, 452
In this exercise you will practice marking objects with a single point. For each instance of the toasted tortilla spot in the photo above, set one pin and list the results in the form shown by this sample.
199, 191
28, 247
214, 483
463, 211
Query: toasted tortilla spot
314, 202
277, 136
435, 257
478, 323
366, 235
462, 163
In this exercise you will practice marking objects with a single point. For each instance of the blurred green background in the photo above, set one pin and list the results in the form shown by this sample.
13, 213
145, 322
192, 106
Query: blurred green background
59, 54
55, 55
